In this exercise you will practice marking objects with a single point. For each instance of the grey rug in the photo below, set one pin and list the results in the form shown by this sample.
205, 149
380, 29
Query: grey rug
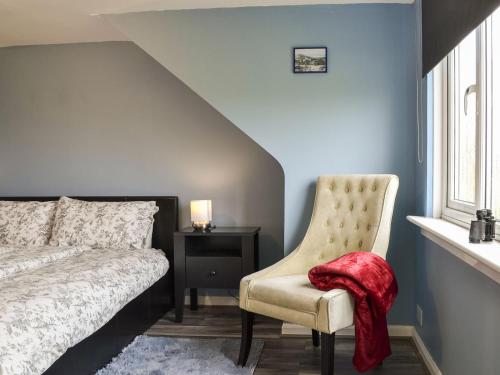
168, 356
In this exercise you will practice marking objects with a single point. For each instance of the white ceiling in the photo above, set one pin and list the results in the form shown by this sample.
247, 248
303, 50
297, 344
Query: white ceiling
25, 22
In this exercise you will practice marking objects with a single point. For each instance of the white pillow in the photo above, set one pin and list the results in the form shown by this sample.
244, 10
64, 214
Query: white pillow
26, 223
107, 225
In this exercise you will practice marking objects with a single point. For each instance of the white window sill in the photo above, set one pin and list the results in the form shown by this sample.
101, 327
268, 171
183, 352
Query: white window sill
485, 257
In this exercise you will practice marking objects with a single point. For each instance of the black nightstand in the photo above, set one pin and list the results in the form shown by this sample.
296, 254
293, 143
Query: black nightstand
215, 259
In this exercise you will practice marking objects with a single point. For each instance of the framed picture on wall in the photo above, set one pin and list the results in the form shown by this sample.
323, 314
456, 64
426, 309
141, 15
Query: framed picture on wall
310, 60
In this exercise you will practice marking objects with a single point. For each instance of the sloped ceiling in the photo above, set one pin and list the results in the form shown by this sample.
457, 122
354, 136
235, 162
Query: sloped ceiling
24, 22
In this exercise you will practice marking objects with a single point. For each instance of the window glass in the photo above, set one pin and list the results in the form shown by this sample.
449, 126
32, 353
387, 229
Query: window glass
464, 120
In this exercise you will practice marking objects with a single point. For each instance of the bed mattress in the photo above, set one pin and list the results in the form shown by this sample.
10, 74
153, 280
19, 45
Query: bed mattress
52, 298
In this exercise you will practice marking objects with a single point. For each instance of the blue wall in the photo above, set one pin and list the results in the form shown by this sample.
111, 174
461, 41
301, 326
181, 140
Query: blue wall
461, 312
358, 118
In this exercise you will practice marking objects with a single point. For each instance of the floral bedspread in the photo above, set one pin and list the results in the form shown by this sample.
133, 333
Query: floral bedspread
48, 307
15, 259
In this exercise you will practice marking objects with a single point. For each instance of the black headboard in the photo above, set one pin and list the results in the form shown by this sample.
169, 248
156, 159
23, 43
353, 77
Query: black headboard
166, 219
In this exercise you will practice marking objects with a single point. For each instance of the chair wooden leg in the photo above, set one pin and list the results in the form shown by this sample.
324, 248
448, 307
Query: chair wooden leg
327, 353
247, 319
315, 337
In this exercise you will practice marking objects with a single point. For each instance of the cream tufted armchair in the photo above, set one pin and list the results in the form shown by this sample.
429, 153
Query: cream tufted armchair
351, 213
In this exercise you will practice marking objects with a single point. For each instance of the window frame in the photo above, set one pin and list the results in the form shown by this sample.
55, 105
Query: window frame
449, 209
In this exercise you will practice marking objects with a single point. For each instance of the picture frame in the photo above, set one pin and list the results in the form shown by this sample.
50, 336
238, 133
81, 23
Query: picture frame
310, 60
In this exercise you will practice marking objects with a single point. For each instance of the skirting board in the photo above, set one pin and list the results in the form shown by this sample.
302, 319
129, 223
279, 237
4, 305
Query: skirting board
214, 301
289, 329
425, 354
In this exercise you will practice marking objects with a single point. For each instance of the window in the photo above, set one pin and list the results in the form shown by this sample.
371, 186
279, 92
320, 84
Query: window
471, 111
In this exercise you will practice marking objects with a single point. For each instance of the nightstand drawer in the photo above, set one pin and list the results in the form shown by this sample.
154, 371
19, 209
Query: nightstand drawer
213, 272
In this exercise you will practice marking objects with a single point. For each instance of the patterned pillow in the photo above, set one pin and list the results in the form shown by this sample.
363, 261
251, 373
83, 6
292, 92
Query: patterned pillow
106, 225
26, 223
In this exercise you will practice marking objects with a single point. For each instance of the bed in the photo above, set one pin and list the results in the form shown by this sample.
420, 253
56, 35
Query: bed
97, 300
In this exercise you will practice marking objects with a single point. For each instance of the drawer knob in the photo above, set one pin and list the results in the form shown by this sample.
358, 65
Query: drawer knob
213, 273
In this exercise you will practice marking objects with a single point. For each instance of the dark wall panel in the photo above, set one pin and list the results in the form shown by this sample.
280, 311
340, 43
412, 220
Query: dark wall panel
107, 119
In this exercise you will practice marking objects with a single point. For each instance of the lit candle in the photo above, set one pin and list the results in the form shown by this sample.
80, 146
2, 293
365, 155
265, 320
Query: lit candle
201, 213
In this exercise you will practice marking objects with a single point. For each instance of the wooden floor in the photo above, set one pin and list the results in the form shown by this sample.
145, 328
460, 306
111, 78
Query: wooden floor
284, 355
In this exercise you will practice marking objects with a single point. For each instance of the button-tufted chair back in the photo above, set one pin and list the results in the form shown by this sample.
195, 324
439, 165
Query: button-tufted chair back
351, 213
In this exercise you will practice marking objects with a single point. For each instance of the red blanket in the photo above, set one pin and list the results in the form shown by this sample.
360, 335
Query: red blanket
372, 283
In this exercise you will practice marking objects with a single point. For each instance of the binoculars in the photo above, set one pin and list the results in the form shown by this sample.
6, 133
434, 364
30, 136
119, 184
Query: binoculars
482, 229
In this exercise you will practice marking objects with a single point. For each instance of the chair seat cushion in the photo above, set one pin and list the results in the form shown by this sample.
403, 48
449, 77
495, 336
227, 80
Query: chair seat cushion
293, 299
293, 292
